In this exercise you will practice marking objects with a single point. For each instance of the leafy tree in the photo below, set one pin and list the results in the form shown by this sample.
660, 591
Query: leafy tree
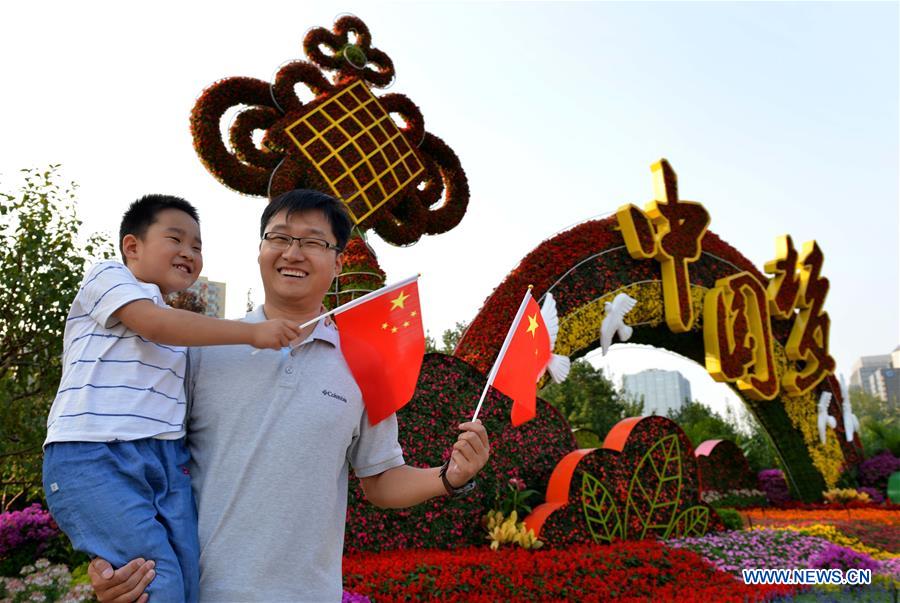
449, 339
879, 424
589, 400
701, 423
42, 263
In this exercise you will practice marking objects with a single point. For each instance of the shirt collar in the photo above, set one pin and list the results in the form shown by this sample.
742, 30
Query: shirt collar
323, 332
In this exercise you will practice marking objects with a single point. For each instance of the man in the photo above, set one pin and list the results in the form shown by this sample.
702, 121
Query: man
273, 436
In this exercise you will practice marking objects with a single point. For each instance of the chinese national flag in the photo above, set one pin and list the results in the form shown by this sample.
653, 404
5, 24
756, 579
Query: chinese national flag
383, 342
527, 355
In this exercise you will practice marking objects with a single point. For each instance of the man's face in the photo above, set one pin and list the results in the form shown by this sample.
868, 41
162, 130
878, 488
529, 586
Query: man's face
295, 276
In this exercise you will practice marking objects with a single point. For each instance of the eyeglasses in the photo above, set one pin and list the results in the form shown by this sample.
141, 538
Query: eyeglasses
281, 241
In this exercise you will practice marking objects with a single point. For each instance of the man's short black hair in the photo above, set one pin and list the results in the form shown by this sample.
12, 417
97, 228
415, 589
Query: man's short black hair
303, 199
142, 213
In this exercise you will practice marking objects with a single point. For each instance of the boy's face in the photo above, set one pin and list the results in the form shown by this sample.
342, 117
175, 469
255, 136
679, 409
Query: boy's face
295, 276
169, 255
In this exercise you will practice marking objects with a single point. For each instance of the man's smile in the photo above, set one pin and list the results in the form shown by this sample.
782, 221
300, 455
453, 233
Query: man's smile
292, 272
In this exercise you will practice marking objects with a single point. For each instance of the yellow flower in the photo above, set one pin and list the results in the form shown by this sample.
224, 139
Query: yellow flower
508, 530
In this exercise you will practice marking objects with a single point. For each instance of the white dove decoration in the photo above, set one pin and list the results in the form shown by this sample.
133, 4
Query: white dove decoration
559, 365
825, 420
614, 321
851, 423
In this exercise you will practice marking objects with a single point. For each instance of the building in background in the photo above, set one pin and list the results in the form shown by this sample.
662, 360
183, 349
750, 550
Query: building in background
661, 391
884, 383
211, 294
879, 376
863, 369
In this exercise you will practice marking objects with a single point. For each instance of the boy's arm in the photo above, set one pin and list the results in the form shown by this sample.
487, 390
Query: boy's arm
179, 327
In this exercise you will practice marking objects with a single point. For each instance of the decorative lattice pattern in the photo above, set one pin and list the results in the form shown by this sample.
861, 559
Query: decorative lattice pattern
358, 149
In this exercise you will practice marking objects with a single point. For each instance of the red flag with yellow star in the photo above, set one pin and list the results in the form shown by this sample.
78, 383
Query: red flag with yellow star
383, 342
523, 357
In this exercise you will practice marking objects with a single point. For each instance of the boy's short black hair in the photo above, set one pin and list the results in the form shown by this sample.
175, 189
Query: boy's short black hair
302, 199
142, 213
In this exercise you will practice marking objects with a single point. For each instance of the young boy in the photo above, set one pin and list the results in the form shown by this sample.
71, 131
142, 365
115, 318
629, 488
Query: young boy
115, 459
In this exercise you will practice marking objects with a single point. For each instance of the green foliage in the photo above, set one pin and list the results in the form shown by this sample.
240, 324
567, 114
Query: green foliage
587, 438
849, 478
879, 423
701, 423
448, 340
588, 400
42, 263
731, 519
736, 499
515, 498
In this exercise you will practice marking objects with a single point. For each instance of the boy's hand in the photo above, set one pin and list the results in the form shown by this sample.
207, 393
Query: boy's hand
274, 334
124, 585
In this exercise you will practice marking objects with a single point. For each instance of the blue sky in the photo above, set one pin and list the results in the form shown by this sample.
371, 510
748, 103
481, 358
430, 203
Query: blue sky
778, 117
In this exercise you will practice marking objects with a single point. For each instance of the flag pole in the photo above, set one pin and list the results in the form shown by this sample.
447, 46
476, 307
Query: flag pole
355, 302
503, 348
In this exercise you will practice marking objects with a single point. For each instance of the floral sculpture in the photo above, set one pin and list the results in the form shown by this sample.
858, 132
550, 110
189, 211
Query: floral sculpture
402, 182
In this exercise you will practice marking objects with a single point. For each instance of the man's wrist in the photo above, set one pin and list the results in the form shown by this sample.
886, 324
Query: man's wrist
450, 488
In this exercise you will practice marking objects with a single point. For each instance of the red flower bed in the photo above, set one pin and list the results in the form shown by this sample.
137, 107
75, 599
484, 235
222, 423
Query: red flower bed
626, 571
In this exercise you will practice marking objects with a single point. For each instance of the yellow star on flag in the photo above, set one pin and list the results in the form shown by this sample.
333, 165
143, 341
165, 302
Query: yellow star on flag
393, 329
532, 324
398, 301
384, 325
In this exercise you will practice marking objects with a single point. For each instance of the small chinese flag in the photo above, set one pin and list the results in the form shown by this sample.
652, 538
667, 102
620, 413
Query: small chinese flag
523, 357
383, 342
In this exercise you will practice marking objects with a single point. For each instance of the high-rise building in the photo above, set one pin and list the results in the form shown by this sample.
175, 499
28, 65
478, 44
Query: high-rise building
212, 294
661, 390
884, 384
863, 369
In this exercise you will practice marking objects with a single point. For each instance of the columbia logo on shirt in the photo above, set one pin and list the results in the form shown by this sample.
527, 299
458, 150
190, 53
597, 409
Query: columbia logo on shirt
331, 394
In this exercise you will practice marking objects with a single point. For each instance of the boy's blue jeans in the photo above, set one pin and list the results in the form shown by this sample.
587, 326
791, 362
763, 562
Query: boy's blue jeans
123, 500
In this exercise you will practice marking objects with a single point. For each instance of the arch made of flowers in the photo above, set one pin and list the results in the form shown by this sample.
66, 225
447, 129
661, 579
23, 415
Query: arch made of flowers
588, 265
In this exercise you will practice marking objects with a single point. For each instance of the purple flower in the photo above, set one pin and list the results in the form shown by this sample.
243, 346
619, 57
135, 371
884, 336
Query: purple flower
874, 471
771, 549
840, 557
33, 525
771, 481
875, 495
352, 597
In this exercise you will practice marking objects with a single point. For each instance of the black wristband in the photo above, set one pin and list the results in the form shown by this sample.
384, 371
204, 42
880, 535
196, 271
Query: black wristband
462, 490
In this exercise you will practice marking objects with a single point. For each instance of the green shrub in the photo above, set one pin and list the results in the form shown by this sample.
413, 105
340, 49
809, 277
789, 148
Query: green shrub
731, 519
